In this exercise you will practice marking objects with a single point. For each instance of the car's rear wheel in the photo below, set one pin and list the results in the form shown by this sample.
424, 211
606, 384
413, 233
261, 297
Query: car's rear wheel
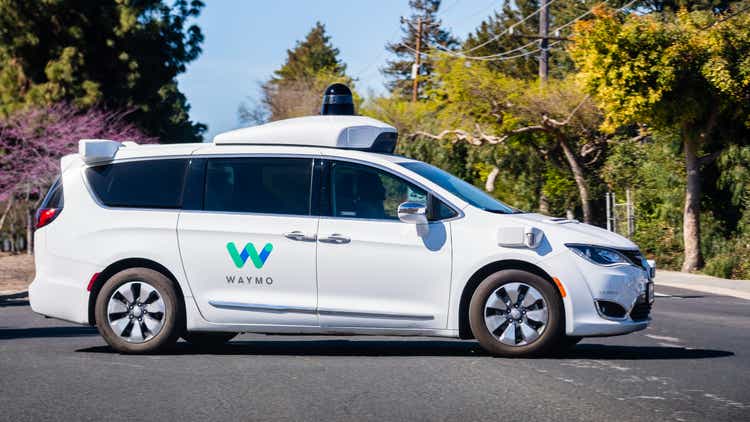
137, 311
208, 339
515, 313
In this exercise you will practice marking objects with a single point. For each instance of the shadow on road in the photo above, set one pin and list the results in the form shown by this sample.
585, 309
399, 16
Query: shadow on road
436, 348
42, 332
614, 352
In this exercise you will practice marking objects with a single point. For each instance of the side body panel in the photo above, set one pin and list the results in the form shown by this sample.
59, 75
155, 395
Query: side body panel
280, 290
388, 274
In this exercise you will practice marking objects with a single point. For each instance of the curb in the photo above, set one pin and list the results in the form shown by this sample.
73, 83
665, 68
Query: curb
703, 288
5, 295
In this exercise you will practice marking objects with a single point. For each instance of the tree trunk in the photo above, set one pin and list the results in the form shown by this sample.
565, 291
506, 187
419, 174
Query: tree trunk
580, 179
30, 232
691, 218
489, 186
8, 206
543, 204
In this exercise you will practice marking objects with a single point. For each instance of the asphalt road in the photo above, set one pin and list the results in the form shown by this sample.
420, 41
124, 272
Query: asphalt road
693, 363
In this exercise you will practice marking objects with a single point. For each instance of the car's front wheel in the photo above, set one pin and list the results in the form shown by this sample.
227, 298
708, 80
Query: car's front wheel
515, 313
137, 311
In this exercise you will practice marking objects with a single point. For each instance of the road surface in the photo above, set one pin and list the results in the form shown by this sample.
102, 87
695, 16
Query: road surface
693, 363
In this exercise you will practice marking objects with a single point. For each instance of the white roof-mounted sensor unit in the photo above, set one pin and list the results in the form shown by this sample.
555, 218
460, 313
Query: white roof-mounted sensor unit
95, 150
350, 132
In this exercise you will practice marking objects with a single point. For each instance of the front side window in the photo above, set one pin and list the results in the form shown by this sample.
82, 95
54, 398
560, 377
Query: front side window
359, 191
460, 188
267, 185
139, 184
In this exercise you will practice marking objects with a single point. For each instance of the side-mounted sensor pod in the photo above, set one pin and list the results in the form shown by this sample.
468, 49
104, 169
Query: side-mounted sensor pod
519, 237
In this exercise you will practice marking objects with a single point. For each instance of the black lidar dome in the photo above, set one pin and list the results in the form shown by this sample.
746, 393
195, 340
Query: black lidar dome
337, 101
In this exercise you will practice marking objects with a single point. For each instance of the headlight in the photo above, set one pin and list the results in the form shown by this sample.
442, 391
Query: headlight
599, 255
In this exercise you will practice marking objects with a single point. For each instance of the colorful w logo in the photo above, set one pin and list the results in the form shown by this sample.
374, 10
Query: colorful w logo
249, 251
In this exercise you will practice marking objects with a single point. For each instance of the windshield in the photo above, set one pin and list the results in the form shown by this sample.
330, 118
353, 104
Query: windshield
458, 187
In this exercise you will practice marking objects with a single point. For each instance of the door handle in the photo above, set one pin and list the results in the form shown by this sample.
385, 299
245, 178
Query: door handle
298, 235
335, 238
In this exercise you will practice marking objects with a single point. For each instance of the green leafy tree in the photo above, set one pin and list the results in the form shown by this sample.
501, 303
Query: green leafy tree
398, 70
686, 74
503, 120
296, 88
119, 54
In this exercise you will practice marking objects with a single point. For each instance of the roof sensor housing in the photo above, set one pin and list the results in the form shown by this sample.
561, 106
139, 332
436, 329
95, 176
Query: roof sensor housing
337, 101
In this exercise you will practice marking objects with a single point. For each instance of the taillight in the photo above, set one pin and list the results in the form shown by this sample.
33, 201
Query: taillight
45, 216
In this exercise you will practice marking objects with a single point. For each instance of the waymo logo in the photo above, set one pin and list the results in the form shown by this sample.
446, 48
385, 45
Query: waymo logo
249, 251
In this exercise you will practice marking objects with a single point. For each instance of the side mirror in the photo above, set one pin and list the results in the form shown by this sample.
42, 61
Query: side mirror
412, 212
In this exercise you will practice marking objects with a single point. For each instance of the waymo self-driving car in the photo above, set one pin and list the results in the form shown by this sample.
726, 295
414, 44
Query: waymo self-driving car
313, 225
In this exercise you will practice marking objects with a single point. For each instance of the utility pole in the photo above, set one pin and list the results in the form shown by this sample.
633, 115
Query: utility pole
544, 41
417, 62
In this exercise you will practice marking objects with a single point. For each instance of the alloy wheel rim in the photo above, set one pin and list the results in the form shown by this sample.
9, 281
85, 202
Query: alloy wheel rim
516, 314
136, 312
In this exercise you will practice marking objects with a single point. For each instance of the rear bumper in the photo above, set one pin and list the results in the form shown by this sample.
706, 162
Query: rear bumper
56, 299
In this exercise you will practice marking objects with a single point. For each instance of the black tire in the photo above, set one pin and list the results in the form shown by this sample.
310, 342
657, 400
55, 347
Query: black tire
208, 339
173, 314
550, 336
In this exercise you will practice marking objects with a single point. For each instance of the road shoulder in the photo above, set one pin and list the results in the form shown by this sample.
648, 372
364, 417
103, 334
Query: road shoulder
704, 284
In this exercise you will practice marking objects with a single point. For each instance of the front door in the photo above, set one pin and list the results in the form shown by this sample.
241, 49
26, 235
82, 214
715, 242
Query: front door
249, 252
375, 271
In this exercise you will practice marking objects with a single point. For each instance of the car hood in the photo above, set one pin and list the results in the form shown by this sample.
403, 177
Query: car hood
573, 231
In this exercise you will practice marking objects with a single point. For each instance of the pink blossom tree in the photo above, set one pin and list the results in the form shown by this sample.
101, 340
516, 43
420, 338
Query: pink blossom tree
33, 140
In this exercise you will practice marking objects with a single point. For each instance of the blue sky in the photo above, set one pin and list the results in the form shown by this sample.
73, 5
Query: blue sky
247, 40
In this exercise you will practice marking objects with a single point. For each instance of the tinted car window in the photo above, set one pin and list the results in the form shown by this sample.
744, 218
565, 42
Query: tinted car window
460, 188
139, 184
54, 197
365, 192
259, 185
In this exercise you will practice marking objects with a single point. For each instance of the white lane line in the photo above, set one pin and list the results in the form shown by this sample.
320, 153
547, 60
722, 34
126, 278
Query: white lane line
657, 294
663, 338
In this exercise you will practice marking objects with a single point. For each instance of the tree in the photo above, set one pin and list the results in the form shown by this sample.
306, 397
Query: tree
118, 54
687, 74
481, 106
296, 88
398, 70
33, 139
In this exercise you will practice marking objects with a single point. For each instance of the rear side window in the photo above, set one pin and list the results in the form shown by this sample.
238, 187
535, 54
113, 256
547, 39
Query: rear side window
54, 197
139, 184
265, 185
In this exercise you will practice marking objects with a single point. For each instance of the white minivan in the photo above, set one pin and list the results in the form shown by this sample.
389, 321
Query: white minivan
313, 225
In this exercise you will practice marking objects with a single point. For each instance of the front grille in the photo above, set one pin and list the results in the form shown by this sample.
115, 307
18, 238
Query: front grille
635, 257
640, 311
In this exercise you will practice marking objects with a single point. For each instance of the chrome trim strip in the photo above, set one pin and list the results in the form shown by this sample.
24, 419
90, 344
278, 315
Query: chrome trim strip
256, 307
353, 314
260, 308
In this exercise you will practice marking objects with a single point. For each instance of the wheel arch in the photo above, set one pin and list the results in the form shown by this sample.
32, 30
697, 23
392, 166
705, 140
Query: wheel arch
124, 264
464, 328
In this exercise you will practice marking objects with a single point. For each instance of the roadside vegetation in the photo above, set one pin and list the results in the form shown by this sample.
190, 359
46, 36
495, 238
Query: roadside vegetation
646, 97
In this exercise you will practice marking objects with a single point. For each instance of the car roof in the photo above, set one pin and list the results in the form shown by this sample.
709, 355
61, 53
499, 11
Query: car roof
354, 132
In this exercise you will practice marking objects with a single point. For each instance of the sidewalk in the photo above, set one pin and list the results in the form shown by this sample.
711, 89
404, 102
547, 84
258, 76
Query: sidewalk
704, 283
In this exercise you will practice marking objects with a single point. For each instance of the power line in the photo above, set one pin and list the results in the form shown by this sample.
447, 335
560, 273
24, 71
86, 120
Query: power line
493, 58
496, 36
555, 30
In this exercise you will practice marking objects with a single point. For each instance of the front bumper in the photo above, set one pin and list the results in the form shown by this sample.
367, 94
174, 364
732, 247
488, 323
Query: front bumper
586, 283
